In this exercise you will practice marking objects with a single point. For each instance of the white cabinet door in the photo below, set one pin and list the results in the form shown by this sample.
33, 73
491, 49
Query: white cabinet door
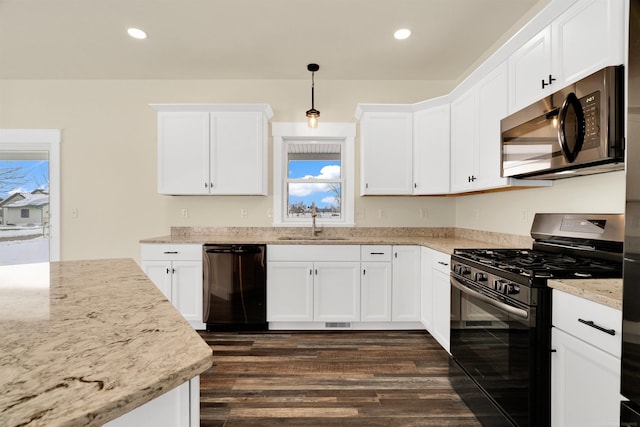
160, 274
584, 39
579, 52
426, 292
464, 157
375, 292
386, 153
238, 153
210, 150
183, 153
405, 300
441, 309
585, 384
289, 291
187, 289
528, 67
336, 290
171, 409
431, 150
491, 108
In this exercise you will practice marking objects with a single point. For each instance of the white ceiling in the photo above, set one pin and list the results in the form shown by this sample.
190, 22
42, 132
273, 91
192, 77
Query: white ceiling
252, 39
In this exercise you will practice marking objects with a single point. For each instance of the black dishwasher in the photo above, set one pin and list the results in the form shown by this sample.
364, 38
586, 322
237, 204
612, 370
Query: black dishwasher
234, 287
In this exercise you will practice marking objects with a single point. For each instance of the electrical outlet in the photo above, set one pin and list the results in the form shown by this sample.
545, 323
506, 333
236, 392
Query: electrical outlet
244, 213
424, 213
184, 212
382, 214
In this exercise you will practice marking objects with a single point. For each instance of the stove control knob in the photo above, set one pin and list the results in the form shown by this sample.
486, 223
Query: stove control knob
514, 289
461, 269
499, 285
481, 277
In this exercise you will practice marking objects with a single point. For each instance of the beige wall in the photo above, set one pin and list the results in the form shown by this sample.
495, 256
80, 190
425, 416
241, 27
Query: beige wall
512, 211
108, 153
108, 156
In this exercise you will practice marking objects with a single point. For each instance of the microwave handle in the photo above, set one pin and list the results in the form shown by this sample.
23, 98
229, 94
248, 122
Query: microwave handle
571, 101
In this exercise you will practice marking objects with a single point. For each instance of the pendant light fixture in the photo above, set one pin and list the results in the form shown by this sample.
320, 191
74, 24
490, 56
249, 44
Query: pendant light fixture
313, 114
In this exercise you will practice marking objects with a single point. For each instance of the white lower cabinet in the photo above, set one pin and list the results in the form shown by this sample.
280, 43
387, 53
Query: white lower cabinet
585, 363
343, 286
319, 283
289, 291
375, 283
336, 291
176, 269
405, 300
441, 299
179, 407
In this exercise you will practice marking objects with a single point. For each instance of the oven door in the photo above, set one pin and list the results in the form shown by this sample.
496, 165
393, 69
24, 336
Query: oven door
494, 341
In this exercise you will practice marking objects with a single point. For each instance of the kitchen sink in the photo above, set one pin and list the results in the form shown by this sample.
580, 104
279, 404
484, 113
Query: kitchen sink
310, 238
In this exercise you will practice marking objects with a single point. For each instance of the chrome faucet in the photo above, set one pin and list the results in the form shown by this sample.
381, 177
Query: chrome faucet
314, 214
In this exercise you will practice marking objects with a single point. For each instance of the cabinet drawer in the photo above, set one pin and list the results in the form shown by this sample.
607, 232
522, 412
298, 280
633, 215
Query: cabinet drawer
375, 253
441, 261
313, 253
171, 252
570, 313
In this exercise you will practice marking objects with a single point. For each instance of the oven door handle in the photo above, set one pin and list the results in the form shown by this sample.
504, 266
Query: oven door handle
498, 304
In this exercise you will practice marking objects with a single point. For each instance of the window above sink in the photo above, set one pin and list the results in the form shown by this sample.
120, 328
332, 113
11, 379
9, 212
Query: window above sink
313, 166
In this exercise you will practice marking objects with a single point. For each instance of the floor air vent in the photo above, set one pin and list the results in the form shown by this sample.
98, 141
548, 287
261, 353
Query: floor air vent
337, 325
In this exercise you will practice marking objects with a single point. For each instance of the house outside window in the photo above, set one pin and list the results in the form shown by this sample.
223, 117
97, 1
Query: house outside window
313, 169
24, 213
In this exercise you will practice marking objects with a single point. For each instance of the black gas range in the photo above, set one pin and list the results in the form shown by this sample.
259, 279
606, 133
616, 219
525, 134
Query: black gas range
501, 308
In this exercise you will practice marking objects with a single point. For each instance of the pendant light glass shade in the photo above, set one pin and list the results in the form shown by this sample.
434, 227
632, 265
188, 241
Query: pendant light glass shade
313, 114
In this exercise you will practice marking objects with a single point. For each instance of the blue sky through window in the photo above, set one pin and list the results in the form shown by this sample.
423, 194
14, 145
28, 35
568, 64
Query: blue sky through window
325, 195
30, 175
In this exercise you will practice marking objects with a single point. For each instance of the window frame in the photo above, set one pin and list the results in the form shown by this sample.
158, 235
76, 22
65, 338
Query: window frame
42, 140
336, 133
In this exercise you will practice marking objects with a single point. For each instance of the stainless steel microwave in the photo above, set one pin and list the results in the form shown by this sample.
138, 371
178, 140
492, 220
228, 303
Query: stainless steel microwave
577, 130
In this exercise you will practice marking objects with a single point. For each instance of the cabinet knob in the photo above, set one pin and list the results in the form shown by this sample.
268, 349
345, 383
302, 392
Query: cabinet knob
366, 185
206, 185
415, 185
364, 272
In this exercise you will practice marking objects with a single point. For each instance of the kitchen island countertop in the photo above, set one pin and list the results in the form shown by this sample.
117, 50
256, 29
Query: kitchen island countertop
604, 291
95, 341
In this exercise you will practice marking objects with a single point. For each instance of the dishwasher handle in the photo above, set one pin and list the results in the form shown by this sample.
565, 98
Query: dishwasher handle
231, 249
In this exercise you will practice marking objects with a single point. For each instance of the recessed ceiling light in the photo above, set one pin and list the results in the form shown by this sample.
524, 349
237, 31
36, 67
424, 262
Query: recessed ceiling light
402, 34
137, 33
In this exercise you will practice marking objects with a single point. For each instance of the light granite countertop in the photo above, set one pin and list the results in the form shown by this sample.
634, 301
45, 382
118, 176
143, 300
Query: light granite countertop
441, 239
83, 342
604, 291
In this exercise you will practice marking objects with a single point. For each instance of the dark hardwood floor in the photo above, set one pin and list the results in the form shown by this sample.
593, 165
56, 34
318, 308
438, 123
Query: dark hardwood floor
329, 379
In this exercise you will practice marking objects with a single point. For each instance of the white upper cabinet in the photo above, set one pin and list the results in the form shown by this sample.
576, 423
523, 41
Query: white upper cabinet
183, 152
585, 38
213, 149
475, 134
404, 152
431, 150
386, 153
464, 143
